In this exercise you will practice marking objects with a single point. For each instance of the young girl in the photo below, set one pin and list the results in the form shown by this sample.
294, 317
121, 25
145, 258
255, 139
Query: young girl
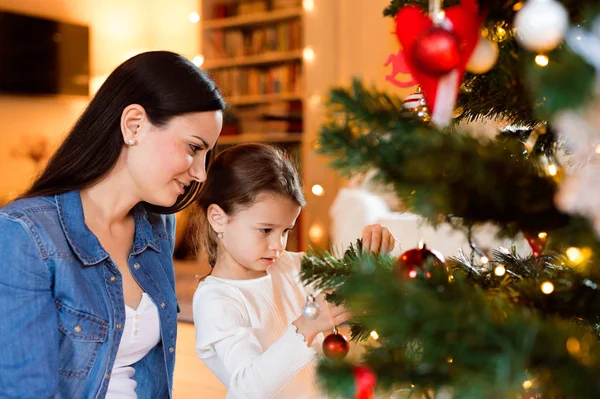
250, 330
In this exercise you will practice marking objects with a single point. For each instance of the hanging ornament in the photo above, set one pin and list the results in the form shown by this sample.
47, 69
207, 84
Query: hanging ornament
541, 25
416, 104
418, 261
365, 380
398, 66
311, 309
437, 51
484, 57
537, 242
437, 59
335, 345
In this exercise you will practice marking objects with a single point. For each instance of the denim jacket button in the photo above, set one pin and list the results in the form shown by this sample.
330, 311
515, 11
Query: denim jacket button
171, 350
136, 266
162, 305
118, 326
113, 279
106, 376
77, 329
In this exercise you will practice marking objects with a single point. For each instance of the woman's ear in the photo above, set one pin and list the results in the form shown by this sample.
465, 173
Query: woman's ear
132, 118
217, 218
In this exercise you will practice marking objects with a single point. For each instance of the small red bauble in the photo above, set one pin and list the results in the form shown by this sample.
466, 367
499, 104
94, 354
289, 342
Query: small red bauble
365, 380
437, 51
335, 346
417, 259
537, 243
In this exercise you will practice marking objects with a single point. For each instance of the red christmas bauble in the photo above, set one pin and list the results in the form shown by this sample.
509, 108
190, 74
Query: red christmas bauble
418, 259
537, 242
335, 346
365, 380
437, 51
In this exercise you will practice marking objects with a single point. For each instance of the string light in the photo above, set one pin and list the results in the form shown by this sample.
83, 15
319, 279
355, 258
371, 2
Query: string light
194, 17
527, 384
484, 260
316, 232
542, 60
543, 235
308, 54
518, 6
374, 334
552, 169
547, 287
308, 5
318, 190
198, 60
450, 360
499, 271
574, 255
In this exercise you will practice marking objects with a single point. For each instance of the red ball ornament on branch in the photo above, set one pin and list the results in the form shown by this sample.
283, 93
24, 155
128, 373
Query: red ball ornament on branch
537, 243
418, 260
365, 380
437, 51
335, 345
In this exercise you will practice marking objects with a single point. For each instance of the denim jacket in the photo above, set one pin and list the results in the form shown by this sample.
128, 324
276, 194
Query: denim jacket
62, 305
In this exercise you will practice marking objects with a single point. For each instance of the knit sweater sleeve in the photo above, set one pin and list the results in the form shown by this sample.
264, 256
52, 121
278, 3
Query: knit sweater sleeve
223, 330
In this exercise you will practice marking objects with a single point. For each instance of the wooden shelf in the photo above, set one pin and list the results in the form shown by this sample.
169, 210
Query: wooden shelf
259, 18
267, 58
263, 98
261, 138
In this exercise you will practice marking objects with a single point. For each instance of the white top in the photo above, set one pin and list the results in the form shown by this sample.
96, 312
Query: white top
141, 333
245, 335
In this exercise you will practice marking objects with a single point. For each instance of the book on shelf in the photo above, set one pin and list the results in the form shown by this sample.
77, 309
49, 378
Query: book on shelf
285, 78
237, 42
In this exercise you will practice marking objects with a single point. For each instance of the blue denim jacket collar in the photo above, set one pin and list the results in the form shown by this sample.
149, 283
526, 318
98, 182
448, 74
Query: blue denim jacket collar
86, 246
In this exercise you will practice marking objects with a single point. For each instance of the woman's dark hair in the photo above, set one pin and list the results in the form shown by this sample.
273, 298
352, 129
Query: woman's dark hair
165, 84
235, 179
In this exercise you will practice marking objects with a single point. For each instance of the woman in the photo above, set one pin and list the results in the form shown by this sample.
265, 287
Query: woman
86, 276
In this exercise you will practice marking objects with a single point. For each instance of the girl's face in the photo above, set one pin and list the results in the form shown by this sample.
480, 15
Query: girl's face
255, 237
166, 158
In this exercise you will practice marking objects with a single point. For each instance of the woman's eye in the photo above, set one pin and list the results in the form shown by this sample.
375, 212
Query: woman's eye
195, 148
265, 231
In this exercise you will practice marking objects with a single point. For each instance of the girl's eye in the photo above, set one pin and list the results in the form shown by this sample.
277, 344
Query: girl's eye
265, 231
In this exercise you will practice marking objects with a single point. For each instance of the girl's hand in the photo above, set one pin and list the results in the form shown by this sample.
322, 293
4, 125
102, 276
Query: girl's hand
377, 238
330, 316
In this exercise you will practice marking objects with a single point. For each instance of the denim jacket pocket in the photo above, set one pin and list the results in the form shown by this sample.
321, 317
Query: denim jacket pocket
81, 336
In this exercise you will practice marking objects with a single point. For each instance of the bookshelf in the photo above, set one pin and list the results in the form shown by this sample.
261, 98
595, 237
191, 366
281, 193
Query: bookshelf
254, 52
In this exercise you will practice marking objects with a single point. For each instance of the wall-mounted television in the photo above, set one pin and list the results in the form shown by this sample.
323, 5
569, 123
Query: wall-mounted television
43, 56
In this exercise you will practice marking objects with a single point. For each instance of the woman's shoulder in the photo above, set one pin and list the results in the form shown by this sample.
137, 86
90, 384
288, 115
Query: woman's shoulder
29, 207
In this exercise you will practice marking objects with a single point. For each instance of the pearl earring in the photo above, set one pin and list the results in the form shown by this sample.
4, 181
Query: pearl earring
130, 142
219, 235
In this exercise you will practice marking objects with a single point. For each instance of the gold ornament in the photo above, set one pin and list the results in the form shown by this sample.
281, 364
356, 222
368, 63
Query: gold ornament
416, 104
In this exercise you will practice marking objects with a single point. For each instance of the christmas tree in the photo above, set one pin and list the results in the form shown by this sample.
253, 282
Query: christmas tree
481, 324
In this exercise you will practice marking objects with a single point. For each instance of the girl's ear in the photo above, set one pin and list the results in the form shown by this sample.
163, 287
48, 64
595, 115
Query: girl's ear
216, 217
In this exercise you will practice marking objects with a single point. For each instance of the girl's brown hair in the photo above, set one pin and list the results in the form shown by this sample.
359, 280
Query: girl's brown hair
235, 179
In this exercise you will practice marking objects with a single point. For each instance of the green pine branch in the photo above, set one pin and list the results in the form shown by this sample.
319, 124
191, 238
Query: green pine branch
465, 337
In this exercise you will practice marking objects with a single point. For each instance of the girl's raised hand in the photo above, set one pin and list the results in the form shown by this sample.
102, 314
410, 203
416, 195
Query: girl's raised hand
377, 238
